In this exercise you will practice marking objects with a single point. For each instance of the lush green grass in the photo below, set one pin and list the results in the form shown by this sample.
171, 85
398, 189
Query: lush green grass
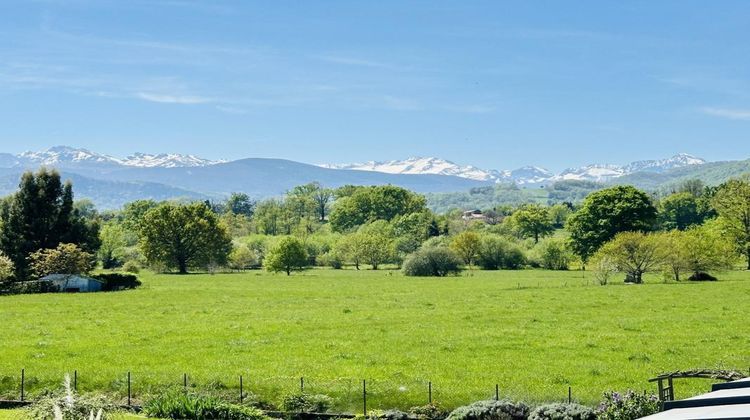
533, 332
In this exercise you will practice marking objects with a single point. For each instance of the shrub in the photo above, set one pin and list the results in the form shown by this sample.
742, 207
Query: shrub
630, 405
7, 268
559, 411
701, 276
553, 255
118, 281
491, 410
65, 259
497, 252
68, 405
181, 405
131, 267
306, 403
429, 412
432, 261
331, 259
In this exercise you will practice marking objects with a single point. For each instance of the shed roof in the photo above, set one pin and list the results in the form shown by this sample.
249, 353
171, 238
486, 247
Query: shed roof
729, 400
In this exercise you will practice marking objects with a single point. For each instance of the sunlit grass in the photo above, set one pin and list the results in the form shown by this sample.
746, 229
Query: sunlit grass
532, 332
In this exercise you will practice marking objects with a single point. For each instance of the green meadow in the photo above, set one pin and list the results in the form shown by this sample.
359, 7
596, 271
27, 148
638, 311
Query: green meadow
534, 333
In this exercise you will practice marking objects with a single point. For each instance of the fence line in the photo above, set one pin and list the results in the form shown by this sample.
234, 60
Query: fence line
373, 394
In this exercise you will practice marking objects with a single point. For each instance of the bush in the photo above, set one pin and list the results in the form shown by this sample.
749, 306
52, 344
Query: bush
306, 403
559, 411
701, 276
497, 252
428, 412
491, 410
68, 405
553, 255
181, 405
631, 405
432, 261
131, 267
118, 281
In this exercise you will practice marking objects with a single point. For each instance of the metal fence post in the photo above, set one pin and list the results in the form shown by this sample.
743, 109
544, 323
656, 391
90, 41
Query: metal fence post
302, 384
75, 380
429, 392
570, 394
129, 393
364, 397
184, 381
497, 392
23, 383
242, 395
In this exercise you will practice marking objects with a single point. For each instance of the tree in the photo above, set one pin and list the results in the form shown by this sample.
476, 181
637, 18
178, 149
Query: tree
41, 215
633, 253
268, 217
673, 245
371, 244
134, 211
184, 237
732, 203
240, 204
7, 268
532, 221
559, 214
467, 245
497, 252
705, 250
553, 255
680, 211
64, 259
287, 255
606, 213
242, 258
368, 204
113, 243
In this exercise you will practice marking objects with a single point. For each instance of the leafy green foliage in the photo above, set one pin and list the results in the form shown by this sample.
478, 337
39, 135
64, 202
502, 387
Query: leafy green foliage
41, 215
491, 410
303, 402
497, 252
118, 281
432, 261
112, 250
606, 213
242, 257
64, 259
240, 204
467, 245
631, 405
532, 221
680, 211
188, 406
286, 256
732, 203
7, 268
553, 254
633, 253
66, 404
184, 237
368, 204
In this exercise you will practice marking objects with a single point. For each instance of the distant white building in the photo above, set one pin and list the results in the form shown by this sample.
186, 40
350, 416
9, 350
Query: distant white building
474, 215
73, 283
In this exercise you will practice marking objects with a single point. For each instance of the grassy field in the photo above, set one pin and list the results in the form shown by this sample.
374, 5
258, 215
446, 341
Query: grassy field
532, 332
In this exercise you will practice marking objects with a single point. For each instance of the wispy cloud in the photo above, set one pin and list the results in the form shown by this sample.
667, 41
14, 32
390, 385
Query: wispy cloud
172, 99
359, 62
400, 103
729, 113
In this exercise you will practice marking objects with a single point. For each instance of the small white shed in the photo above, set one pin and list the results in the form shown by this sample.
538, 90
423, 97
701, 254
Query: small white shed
73, 283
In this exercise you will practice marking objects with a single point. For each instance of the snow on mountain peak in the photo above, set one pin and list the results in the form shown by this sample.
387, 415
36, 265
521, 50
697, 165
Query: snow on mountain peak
524, 175
166, 160
65, 155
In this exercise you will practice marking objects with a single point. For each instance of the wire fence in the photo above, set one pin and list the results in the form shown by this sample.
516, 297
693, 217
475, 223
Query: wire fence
133, 388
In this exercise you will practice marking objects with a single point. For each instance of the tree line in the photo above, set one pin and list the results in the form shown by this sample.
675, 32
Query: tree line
689, 231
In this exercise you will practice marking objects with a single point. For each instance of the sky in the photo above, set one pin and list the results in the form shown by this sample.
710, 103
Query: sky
493, 84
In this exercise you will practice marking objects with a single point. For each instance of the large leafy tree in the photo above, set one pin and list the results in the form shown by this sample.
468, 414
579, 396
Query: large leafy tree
184, 237
633, 253
286, 256
368, 204
467, 245
42, 215
240, 204
532, 221
680, 211
732, 203
606, 213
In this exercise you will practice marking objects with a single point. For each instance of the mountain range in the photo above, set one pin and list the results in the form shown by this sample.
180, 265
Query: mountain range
111, 181
528, 175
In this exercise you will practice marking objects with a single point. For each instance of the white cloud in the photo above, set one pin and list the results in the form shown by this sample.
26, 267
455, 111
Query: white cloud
172, 99
732, 114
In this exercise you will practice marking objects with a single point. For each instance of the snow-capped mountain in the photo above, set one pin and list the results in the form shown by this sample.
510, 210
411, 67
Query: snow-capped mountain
166, 160
528, 175
64, 156
421, 166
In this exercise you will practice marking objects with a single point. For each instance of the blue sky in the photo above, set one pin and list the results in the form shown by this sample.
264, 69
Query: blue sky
489, 83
